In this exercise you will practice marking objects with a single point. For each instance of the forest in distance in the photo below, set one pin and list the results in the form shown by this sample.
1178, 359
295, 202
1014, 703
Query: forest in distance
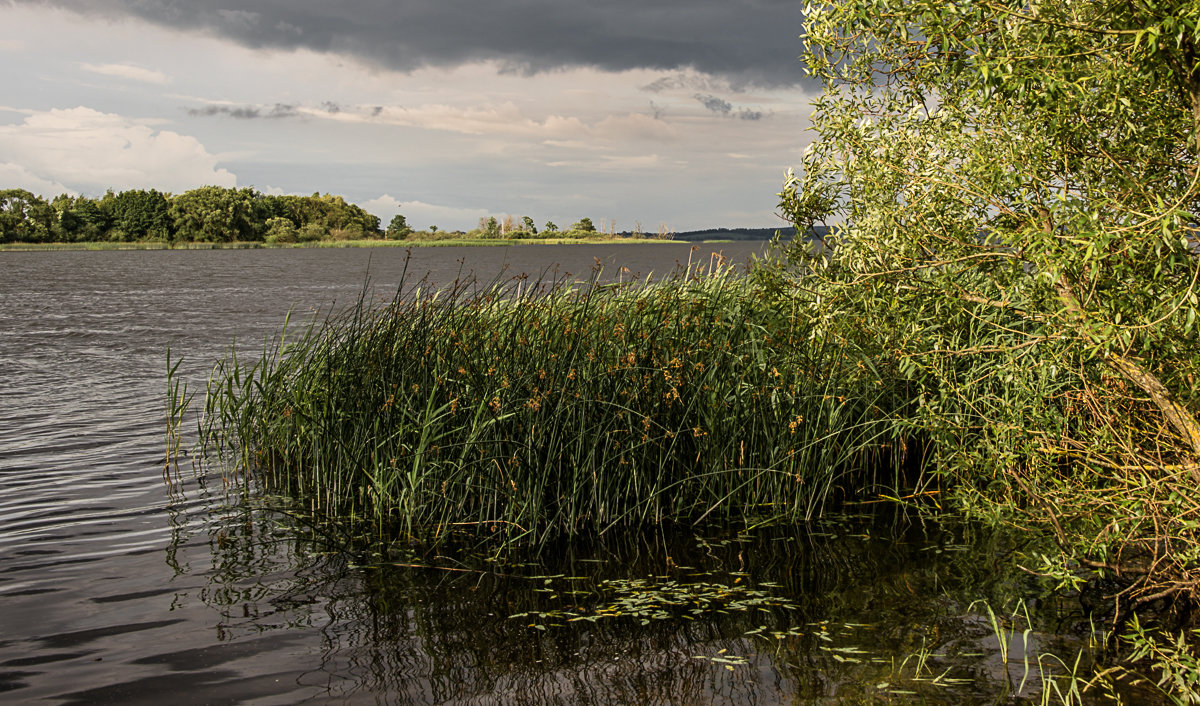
214, 214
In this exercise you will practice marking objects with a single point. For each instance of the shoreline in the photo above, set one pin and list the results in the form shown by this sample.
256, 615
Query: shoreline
255, 245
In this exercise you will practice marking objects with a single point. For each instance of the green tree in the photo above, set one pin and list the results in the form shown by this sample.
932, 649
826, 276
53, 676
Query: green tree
398, 228
219, 214
1038, 157
139, 214
333, 215
1013, 188
24, 217
550, 227
490, 227
280, 230
529, 225
312, 232
80, 219
583, 225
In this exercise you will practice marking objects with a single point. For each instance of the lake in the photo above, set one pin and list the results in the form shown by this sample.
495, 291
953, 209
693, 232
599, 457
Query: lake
122, 585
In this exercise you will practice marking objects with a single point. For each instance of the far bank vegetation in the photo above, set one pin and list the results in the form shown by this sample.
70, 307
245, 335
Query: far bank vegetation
219, 215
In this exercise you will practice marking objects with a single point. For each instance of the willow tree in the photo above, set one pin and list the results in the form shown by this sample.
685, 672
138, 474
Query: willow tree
1013, 189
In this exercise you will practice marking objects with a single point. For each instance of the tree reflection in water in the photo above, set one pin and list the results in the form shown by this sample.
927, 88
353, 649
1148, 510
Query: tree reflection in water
783, 615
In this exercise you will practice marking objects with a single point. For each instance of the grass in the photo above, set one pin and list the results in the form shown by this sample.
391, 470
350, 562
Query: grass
43, 247
528, 413
520, 414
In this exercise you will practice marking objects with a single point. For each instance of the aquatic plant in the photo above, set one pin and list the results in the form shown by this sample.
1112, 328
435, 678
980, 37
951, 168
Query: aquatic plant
532, 411
179, 401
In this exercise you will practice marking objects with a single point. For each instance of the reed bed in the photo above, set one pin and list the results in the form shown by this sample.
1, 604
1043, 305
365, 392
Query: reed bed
532, 413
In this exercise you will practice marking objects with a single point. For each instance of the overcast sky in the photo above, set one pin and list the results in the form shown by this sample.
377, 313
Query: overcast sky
679, 112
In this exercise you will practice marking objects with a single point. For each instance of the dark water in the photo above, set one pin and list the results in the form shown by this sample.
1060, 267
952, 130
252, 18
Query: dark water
119, 586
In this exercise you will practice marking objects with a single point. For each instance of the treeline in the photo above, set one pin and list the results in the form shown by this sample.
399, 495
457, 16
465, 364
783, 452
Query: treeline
215, 214
515, 228
211, 214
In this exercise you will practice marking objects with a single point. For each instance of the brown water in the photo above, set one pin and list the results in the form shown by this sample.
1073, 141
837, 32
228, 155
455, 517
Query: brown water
118, 587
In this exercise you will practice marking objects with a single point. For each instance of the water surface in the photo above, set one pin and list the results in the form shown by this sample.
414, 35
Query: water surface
118, 585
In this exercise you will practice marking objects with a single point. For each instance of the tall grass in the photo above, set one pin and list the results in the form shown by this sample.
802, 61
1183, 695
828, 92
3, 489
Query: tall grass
533, 413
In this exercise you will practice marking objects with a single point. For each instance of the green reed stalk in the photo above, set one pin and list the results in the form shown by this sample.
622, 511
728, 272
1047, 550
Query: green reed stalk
179, 401
557, 410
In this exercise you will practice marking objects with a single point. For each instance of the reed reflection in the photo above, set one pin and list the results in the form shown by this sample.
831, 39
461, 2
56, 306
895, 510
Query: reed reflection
853, 608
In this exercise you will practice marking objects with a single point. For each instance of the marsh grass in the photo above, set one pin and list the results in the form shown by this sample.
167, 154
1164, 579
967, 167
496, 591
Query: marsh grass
179, 401
531, 412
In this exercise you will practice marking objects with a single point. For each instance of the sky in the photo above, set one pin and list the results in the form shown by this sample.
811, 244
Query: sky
683, 114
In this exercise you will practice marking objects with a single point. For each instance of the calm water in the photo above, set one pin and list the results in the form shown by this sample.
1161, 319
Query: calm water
119, 587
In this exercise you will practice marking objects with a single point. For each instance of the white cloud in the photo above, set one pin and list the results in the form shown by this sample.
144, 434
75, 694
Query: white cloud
421, 215
11, 45
14, 176
576, 145
635, 126
385, 207
127, 71
93, 151
612, 163
502, 119
491, 119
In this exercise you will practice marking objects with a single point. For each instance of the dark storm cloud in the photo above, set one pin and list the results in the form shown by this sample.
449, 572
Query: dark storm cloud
742, 41
720, 106
246, 112
715, 104
678, 81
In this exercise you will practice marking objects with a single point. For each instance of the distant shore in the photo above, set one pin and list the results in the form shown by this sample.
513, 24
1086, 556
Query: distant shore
256, 245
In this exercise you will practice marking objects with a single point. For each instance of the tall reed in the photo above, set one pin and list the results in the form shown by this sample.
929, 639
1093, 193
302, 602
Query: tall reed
537, 412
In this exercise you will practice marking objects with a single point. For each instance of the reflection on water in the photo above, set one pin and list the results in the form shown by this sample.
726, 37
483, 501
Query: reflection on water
784, 615
116, 587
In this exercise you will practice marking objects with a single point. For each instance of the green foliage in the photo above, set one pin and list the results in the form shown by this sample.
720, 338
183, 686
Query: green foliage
80, 219
24, 217
550, 227
1043, 160
219, 215
1172, 657
1013, 190
1014, 185
399, 228
583, 225
138, 215
311, 233
559, 413
208, 214
529, 225
281, 230
329, 213
490, 227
